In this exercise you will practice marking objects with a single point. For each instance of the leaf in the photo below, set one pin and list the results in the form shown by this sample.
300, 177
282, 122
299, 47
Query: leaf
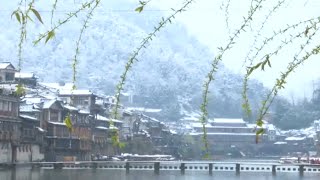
259, 123
16, 13
50, 36
36, 13
139, 9
269, 64
68, 122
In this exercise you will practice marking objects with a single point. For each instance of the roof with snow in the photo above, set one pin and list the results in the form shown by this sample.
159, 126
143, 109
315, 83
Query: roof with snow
199, 125
102, 128
28, 108
40, 129
102, 118
226, 120
32, 100
75, 92
84, 111
24, 75
295, 138
225, 134
57, 123
5, 65
28, 117
58, 86
112, 127
192, 118
69, 107
48, 104
142, 109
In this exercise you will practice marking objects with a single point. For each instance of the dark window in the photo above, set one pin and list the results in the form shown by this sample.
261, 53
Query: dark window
9, 76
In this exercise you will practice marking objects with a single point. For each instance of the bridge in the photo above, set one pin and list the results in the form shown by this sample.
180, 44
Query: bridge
182, 166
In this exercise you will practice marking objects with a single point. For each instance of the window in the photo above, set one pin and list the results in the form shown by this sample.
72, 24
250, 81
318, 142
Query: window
1, 105
9, 76
9, 106
5, 106
54, 115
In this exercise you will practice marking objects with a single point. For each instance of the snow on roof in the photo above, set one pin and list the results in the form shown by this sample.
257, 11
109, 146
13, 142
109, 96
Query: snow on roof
199, 125
69, 107
192, 118
4, 65
84, 111
99, 102
40, 129
57, 123
142, 109
32, 100
28, 108
173, 131
75, 92
271, 127
280, 142
112, 127
127, 112
295, 138
102, 118
225, 134
125, 94
28, 117
226, 120
188, 127
102, 128
24, 75
58, 86
48, 104
154, 119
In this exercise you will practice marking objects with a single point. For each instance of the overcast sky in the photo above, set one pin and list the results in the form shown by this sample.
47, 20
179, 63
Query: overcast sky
207, 22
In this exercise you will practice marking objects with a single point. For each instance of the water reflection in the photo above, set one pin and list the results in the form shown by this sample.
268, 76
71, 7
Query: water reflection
90, 174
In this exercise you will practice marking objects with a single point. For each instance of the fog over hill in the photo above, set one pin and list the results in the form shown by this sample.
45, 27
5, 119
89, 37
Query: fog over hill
168, 76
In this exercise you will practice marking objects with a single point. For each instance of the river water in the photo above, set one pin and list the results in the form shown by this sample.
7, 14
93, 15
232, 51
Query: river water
101, 174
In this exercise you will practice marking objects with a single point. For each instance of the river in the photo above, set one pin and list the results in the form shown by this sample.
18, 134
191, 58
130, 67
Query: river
100, 174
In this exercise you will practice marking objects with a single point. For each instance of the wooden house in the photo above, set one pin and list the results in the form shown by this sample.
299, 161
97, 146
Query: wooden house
7, 72
10, 125
28, 79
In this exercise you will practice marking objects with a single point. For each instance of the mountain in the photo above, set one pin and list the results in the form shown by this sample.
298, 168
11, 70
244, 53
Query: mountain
169, 74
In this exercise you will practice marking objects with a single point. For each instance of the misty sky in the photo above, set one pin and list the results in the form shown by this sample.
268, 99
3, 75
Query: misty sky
206, 20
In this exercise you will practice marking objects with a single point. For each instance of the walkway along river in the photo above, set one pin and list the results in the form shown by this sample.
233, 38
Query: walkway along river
183, 166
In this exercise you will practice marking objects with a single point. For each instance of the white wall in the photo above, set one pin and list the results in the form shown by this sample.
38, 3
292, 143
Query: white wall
27, 152
5, 152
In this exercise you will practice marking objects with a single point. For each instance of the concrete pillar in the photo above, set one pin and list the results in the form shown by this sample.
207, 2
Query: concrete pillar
157, 167
273, 169
237, 169
127, 166
57, 165
301, 170
182, 168
94, 165
210, 168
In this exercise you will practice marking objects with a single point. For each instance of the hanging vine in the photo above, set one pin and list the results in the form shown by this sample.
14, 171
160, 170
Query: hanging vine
51, 33
265, 60
280, 82
214, 67
143, 45
78, 42
54, 7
